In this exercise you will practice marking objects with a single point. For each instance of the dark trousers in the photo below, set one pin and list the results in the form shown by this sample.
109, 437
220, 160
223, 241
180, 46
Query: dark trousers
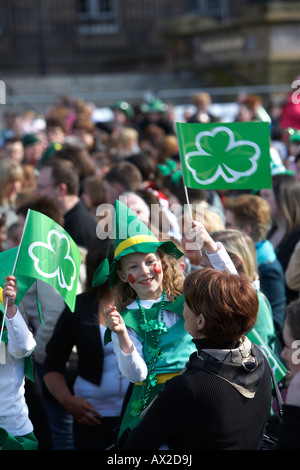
98, 437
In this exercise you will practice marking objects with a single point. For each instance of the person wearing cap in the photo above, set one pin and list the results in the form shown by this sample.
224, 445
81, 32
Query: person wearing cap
33, 149
145, 323
123, 116
156, 112
123, 112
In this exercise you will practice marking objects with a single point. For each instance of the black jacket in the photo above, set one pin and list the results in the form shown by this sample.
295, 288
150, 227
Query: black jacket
80, 225
80, 329
199, 410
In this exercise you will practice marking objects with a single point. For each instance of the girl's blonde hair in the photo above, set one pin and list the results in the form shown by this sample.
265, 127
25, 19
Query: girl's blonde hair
173, 279
10, 171
239, 245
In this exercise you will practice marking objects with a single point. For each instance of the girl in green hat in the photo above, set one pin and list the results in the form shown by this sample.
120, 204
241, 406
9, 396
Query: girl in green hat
146, 324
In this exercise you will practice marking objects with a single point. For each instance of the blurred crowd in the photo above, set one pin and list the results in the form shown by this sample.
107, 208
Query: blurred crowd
68, 164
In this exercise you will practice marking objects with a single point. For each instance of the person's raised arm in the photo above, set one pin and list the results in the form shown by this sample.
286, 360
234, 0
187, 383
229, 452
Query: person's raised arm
215, 251
116, 324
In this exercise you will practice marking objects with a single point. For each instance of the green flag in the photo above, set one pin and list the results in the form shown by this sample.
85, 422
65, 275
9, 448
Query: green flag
225, 156
47, 252
277, 366
7, 262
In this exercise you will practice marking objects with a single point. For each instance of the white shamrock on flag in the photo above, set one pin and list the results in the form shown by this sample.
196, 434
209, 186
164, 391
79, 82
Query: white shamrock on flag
50, 254
222, 156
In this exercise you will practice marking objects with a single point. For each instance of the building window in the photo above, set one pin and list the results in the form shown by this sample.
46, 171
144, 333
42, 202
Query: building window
218, 9
2, 17
98, 16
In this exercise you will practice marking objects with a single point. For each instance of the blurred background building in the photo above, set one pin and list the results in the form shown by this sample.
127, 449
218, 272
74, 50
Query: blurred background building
109, 49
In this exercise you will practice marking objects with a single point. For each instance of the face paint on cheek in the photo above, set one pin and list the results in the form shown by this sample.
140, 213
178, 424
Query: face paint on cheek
131, 279
157, 268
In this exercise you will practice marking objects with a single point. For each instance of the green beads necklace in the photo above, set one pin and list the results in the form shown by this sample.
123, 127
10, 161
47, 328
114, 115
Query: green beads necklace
155, 328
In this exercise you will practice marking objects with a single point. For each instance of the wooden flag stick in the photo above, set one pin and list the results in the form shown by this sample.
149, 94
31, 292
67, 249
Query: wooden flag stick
191, 215
3, 320
185, 189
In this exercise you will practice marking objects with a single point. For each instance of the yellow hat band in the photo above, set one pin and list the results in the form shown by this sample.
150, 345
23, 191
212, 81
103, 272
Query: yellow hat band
134, 241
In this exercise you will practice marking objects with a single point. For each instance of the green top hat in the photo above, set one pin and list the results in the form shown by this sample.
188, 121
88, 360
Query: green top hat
154, 106
131, 235
30, 139
125, 107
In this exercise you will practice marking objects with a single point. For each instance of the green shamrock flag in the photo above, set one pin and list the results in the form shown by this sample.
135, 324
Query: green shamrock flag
225, 156
7, 262
47, 252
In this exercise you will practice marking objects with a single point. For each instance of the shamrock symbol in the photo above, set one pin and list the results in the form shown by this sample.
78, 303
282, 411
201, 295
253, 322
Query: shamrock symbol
152, 325
155, 353
218, 154
151, 379
48, 256
136, 407
162, 327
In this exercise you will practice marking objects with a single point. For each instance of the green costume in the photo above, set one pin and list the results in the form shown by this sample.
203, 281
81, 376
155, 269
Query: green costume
165, 350
170, 355
9, 442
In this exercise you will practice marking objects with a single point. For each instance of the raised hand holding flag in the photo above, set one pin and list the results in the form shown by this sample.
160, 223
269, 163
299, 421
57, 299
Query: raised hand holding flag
47, 252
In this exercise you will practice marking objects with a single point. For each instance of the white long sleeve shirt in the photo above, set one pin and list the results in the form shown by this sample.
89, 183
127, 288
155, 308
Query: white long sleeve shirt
13, 408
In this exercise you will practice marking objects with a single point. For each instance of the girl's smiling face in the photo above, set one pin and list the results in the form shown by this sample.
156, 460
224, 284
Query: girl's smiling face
144, 273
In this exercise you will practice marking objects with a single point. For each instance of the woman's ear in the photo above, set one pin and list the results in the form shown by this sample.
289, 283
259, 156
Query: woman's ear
122, 276
200, 322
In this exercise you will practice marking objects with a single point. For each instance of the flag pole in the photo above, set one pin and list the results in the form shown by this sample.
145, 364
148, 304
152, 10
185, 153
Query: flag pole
13, 271
3, 319
186, 191
191, 215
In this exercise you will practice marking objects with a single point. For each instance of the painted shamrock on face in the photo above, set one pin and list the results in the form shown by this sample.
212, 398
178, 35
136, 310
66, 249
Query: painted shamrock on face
219, 154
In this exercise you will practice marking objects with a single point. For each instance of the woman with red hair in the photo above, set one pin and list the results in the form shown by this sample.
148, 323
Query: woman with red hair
222, 400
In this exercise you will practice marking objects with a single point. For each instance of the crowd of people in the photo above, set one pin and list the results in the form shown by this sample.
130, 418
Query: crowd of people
156, 354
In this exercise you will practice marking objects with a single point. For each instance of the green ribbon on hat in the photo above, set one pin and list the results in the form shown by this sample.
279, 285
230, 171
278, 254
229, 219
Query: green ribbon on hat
101, 274
131, 235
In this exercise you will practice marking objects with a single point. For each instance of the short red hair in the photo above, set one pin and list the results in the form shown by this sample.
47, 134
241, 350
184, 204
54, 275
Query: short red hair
227, 301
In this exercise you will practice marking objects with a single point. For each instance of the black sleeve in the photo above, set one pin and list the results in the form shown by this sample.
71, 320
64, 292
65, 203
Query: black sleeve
164, 419
289, 432
60, 344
